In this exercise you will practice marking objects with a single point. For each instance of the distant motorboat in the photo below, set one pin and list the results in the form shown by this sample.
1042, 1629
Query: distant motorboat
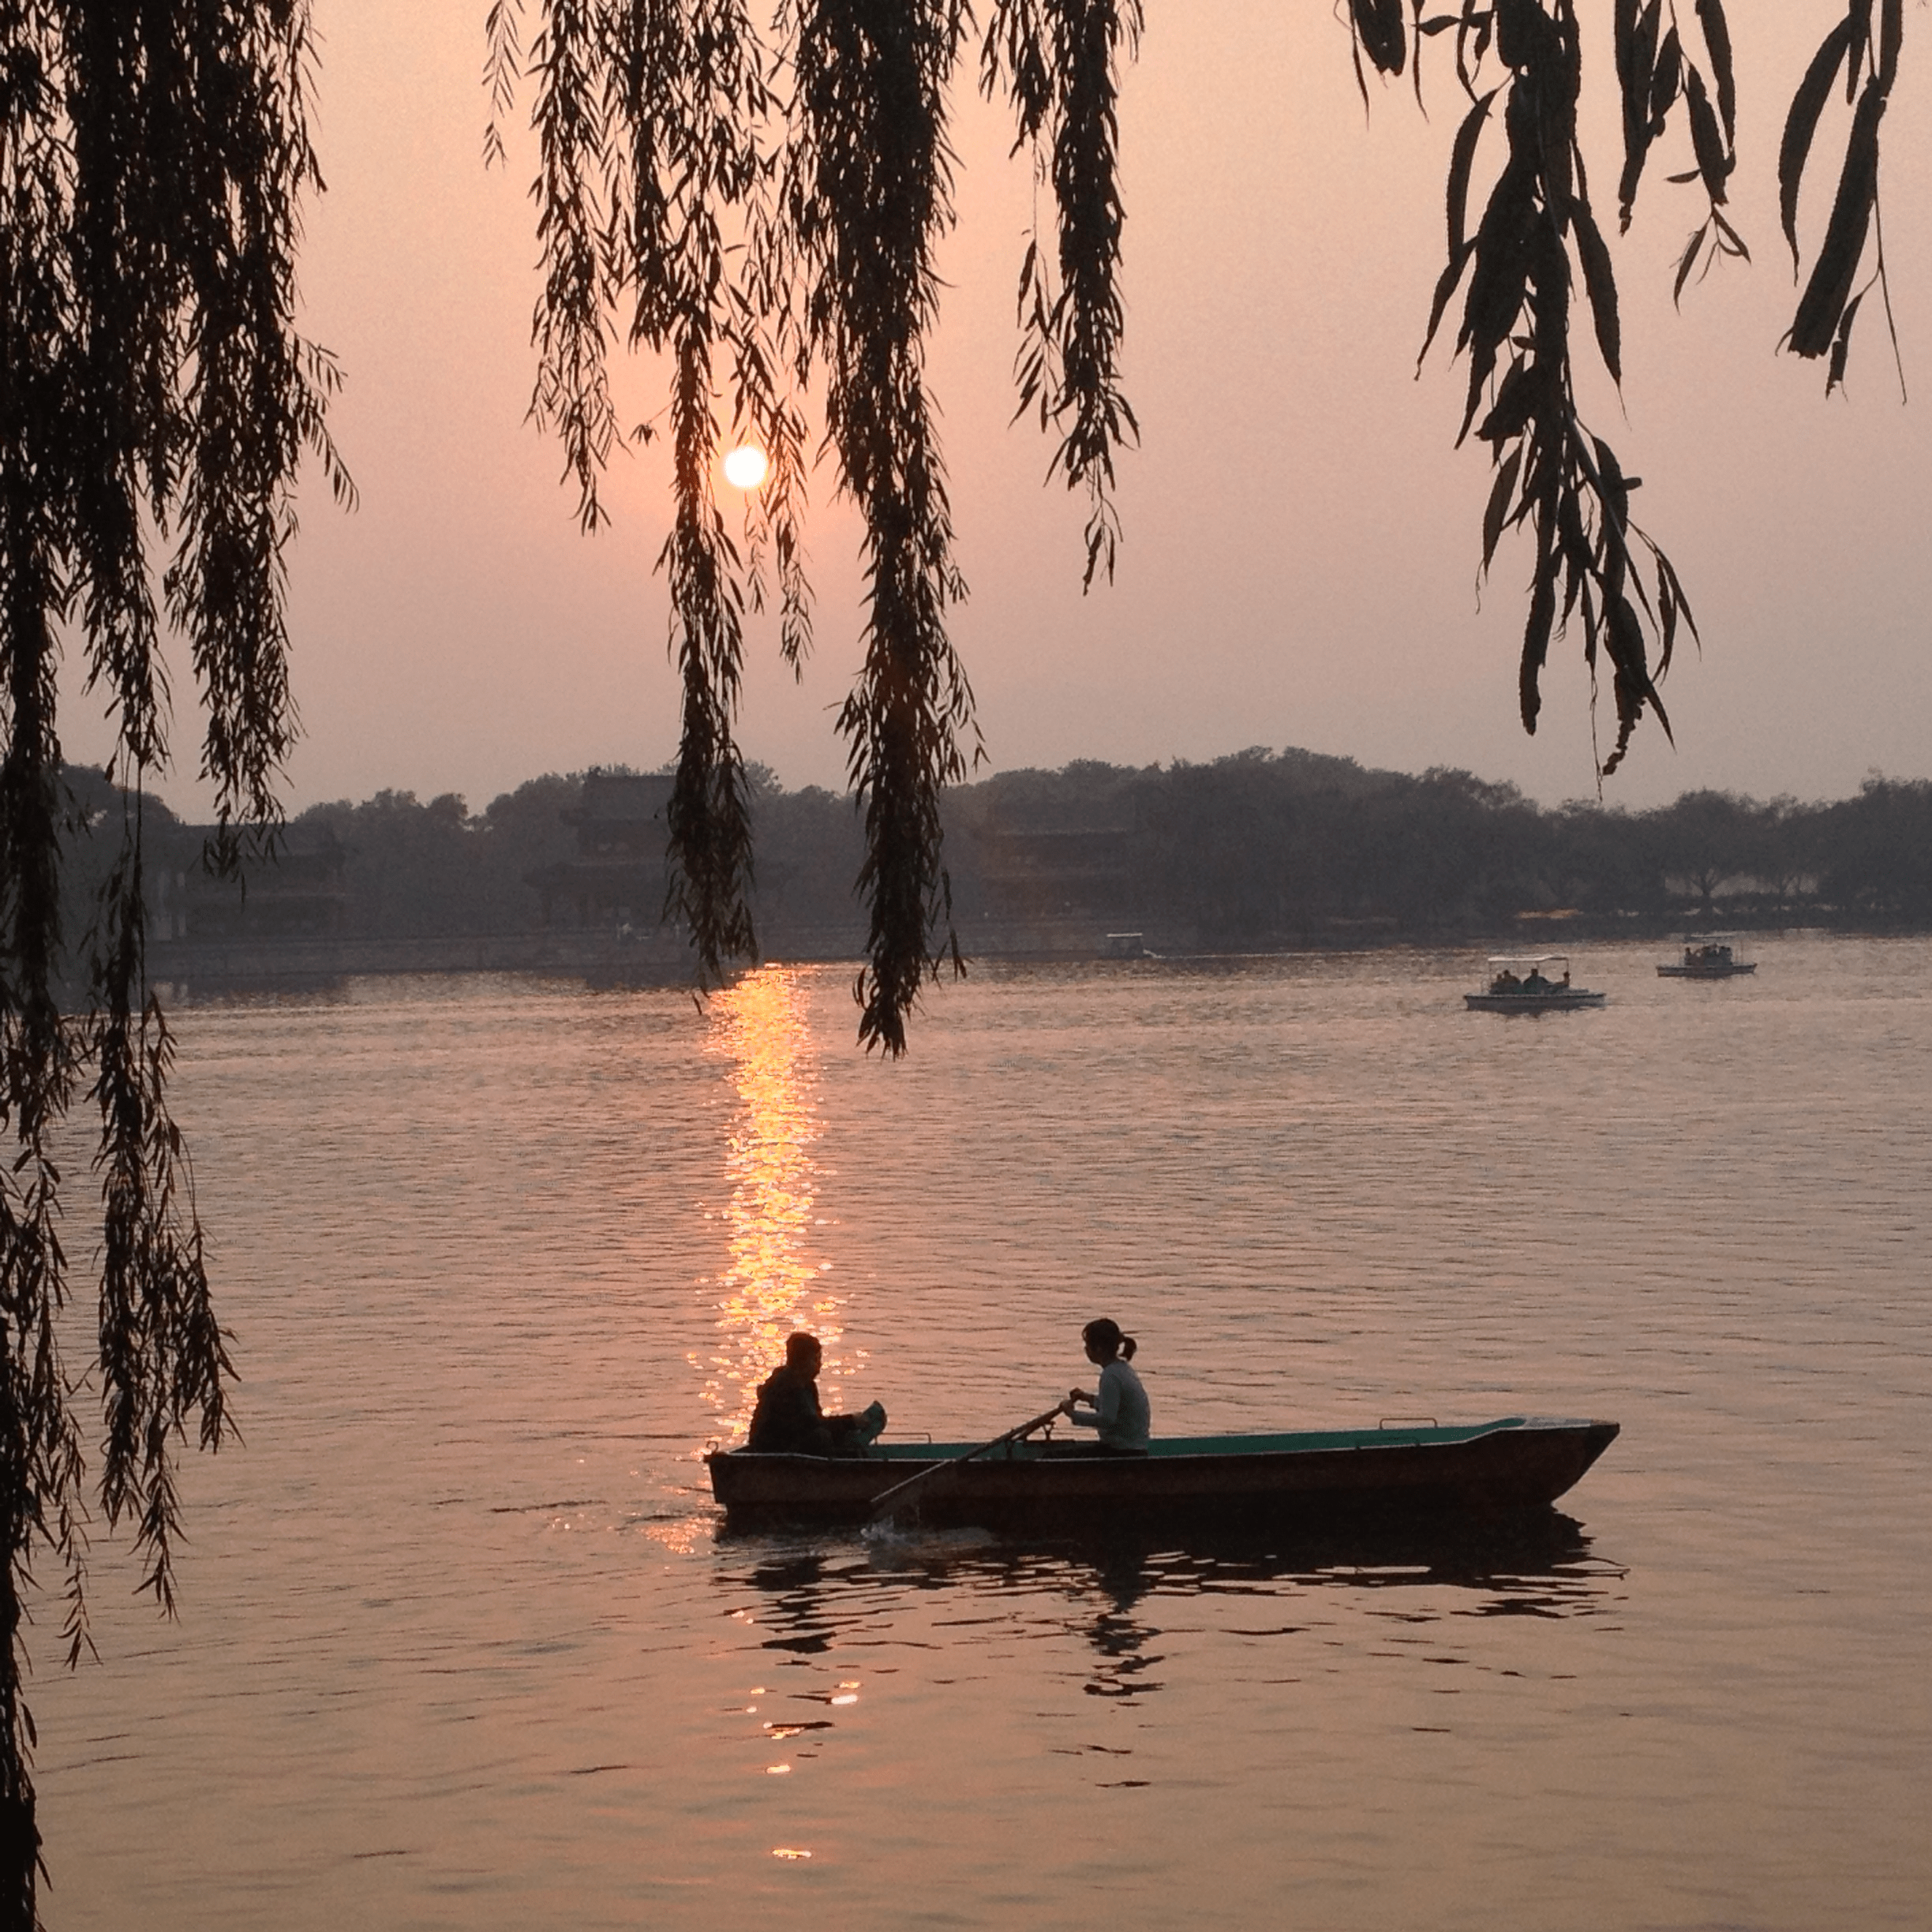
1529, 982
1707, 956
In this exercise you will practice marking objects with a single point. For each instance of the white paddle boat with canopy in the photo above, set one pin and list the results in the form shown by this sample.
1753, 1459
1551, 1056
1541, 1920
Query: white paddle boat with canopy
1531, 983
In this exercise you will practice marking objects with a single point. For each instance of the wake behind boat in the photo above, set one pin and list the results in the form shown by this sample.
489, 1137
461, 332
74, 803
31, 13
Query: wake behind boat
1331, 1477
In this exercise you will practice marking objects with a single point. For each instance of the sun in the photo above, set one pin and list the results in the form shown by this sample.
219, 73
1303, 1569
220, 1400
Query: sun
747, 466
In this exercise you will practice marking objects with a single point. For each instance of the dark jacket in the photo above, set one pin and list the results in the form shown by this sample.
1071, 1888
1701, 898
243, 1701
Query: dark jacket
788, 1419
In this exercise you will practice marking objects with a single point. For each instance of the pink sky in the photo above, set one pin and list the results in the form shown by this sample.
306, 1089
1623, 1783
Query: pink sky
1300, 538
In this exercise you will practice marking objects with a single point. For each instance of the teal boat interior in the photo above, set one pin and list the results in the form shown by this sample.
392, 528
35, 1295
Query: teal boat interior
1402, 1435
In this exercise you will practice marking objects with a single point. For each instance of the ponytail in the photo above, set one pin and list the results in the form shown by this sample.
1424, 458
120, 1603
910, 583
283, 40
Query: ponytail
1128, 1345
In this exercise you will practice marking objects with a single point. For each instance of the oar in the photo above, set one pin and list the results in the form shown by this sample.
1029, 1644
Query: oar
892, 1499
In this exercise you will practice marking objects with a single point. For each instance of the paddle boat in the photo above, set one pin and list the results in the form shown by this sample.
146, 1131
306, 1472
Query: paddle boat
1531, 983
1707, 956
1398, 1471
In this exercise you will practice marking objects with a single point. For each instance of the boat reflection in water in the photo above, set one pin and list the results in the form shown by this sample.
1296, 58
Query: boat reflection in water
1117, 1599
773, 1277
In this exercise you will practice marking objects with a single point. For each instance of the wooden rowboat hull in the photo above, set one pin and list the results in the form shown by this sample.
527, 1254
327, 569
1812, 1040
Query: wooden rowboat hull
1224, 1482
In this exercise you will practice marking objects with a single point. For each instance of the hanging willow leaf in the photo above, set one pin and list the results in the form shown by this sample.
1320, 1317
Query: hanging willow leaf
1688, 259
1717, 39
1631, 685
1600, 283
1891, 37
1536, 630
1462, 251
1636, 66
1858, 17
1462, 160
1380, 24
1501, 495
1829, 288
1714, 163
1800, 123
1667, 81
1841, 343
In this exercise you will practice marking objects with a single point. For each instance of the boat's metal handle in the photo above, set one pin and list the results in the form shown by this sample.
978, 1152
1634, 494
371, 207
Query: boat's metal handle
1408, 1422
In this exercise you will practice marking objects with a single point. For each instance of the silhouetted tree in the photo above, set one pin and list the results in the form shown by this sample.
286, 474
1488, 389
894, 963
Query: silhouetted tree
413, 870
809, 848
155, 397
1225, 838
523, 832
1604, 860
1786, 849
1879, 846
1707, 839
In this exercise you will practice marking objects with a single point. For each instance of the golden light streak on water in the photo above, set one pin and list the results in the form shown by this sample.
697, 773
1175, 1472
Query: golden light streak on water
773, 1280
680, 1537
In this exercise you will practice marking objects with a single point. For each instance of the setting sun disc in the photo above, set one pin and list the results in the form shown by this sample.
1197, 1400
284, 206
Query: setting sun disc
747, 466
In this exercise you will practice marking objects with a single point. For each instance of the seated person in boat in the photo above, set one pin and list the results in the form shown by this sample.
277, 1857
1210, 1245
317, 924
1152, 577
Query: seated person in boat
788, 1419
1118, 1406
1533, 981
1504, 982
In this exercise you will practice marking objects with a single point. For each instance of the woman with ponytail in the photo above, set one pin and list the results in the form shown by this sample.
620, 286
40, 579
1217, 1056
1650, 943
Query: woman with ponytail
1118, 1407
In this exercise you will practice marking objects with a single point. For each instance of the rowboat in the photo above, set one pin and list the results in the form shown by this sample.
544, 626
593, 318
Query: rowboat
1529, 982
1707, 956
1402, 1471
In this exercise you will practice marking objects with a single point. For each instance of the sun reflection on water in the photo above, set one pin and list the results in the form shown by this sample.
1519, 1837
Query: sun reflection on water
773, 1280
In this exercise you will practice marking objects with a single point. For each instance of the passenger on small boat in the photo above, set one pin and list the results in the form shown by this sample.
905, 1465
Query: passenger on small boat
1118, 1407
788, 1419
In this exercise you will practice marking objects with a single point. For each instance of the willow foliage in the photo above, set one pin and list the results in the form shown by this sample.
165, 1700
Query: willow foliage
761, 207
1537, 239
155, 402
762, 210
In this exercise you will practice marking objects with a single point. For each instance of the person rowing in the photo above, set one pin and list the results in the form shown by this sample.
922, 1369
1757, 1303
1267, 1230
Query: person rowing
1118, 1406
788, 1419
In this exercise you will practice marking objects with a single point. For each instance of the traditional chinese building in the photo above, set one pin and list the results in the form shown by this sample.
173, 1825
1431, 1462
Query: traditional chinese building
302, 892
616, 877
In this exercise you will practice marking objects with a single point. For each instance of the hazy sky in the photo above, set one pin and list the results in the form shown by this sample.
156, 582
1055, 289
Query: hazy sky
1299, 566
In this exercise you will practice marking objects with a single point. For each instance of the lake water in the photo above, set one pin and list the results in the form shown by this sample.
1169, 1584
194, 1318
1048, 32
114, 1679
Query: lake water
462, 1646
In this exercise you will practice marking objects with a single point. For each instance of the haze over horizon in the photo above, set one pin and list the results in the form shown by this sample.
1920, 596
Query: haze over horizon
1301, 537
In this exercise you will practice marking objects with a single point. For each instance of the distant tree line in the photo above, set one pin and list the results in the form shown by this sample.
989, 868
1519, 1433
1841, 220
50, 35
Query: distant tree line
1261, 848
1255, 850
